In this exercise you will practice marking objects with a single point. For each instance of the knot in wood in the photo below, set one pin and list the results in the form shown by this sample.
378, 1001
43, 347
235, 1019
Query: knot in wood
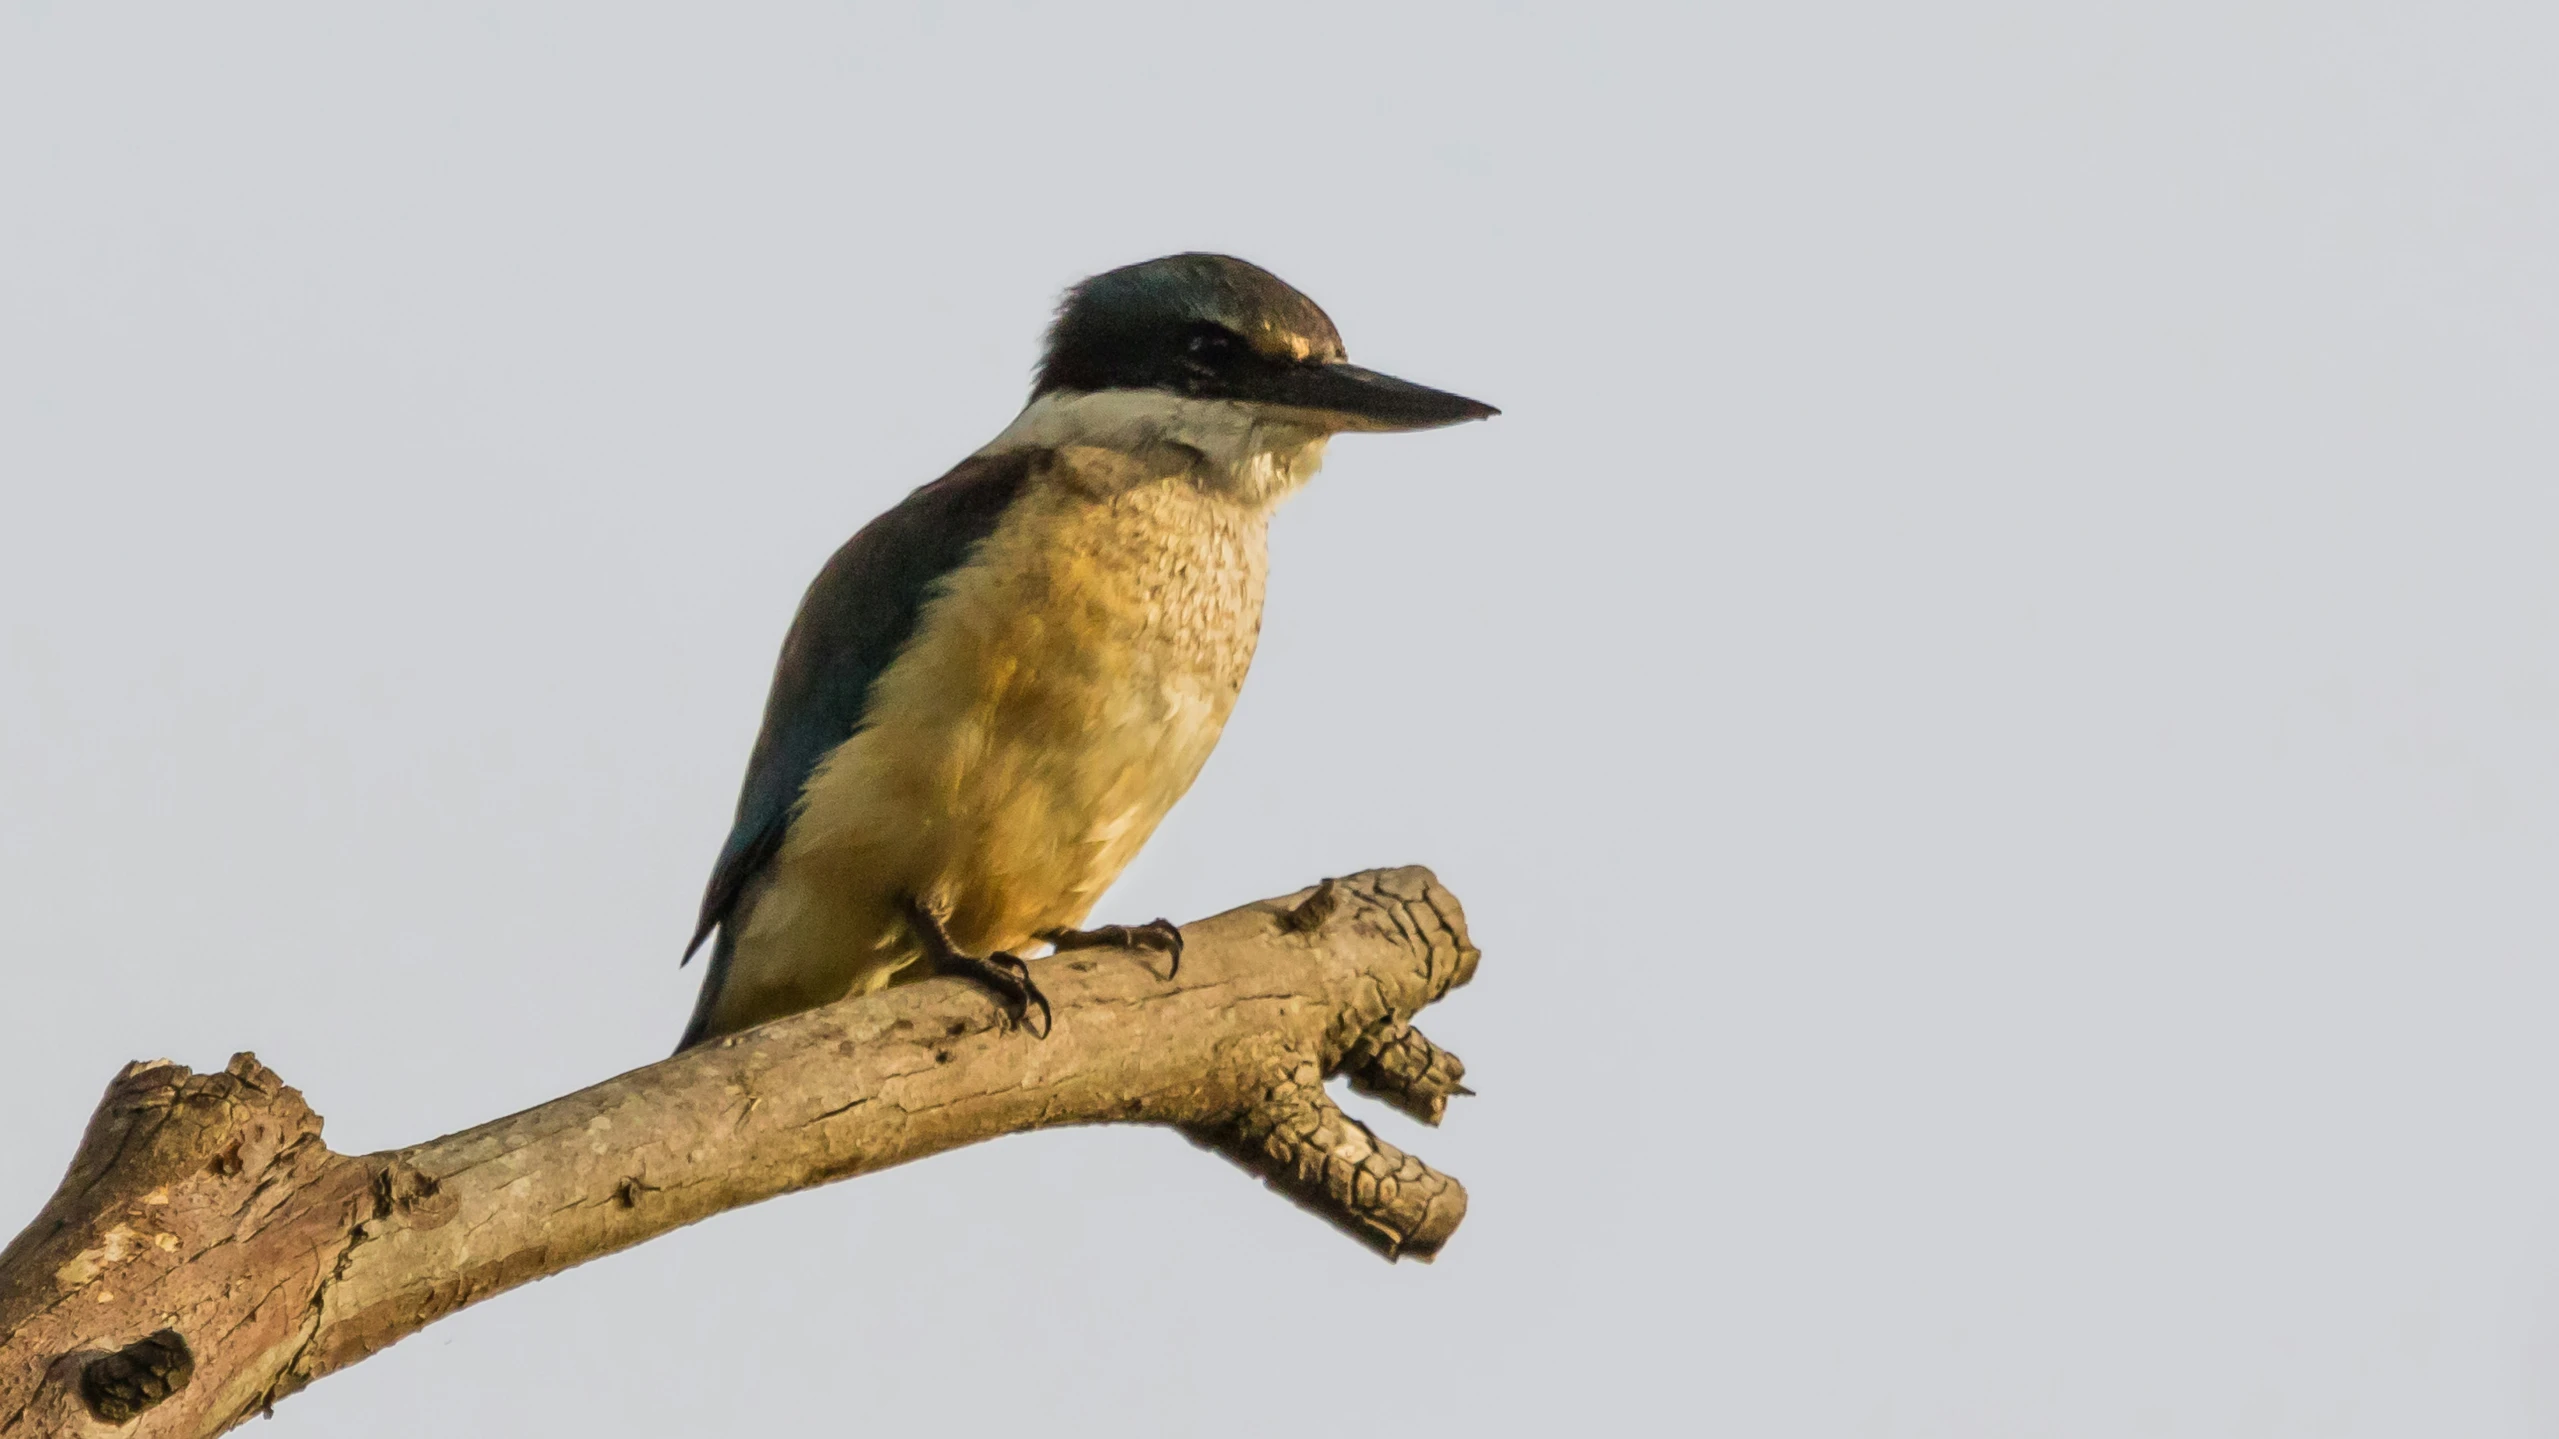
119, 1387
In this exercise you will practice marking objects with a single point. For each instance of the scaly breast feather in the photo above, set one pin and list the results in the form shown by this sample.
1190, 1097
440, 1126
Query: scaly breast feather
1060, 695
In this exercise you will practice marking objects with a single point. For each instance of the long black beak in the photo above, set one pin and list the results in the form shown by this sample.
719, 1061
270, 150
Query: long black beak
1350, 398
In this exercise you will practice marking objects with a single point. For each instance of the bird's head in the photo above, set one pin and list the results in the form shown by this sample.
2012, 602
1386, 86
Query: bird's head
1212, 327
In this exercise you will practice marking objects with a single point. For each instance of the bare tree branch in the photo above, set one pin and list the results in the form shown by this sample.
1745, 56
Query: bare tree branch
207, 1254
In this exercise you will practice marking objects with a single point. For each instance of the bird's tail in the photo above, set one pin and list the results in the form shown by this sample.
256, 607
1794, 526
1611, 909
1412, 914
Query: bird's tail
714, 976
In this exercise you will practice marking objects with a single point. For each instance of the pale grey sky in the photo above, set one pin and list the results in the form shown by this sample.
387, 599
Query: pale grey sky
1994, 698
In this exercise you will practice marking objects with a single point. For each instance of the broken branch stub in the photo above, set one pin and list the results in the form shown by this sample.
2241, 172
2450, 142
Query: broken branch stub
207, 1254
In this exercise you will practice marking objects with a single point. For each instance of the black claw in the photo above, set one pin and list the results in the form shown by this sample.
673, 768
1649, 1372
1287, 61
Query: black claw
1160, 935
1026, 995
1005, 975
1009, 979
1169, 935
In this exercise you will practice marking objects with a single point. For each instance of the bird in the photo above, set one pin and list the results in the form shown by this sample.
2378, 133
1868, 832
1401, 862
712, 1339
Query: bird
995, 691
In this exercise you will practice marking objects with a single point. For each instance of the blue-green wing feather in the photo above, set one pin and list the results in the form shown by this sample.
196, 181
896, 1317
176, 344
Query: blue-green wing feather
859, 612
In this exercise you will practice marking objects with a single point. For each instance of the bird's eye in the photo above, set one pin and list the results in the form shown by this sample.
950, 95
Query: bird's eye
1211, 342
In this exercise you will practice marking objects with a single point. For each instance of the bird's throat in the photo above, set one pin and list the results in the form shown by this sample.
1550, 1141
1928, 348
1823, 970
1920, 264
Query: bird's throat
1245, 452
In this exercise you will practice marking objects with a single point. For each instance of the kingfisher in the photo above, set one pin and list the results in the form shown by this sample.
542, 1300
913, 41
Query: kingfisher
994, 692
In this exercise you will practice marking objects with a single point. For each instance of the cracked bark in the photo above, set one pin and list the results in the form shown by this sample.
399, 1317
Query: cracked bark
207, 1254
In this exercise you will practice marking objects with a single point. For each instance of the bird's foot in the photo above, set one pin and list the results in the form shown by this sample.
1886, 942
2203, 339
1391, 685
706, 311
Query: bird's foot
1003, 975
1159, 935
1007, 978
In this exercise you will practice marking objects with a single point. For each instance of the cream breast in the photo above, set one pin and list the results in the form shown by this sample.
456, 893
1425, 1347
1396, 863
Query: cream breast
1059, 697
